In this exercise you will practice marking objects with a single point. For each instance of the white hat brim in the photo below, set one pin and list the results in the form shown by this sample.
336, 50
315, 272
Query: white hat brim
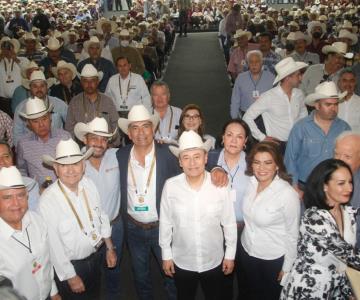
124, 123
206, 146
312, 98
68, 160
37, 115
26, 82
68, 66
82, 129
299, 66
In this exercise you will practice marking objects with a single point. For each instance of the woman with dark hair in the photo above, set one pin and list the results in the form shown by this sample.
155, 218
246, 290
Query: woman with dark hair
327, 236
271, 211
237, 141
192, 118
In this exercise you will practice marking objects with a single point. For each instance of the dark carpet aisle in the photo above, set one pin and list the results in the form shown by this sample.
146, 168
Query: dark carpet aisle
196, 74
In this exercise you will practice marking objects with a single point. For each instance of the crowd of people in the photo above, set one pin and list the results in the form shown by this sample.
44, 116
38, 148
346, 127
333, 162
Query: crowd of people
94, 158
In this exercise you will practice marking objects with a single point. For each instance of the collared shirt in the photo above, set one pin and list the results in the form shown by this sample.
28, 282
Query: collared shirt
238, 182
168, 125
307, 57
10, 75
314, 75
58, 117
194, 224
141, 205
270, 60
36, 56
34, 193
81, 109
133, 93
272, 220
233, 21
243, 92
20, 94
30, 150
237, 63
16, 261
66, 93
318, 49
349, 111
278, 111
107, 181
105, 53
6, 128
308, 145
65, 235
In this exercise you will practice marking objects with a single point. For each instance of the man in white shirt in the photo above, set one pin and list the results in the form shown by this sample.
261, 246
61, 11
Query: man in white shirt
127, 88
167, 130
103, 169
24, 245
77, 224
349, 110
281, 107
197, 219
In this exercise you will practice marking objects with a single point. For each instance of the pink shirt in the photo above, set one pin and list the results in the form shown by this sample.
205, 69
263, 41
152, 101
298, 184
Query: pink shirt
238, 58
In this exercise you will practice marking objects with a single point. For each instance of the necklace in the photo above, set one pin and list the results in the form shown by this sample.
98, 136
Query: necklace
23, 244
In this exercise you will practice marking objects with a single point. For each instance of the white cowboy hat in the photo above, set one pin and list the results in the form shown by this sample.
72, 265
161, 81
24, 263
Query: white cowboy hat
294, 24
239, 33
324, 90
90, 71
14, 42
102, 21
298, 35
35, 108
67, 153
347, 25
31, 65
124, 32
138, 113
98, 126
345, 34
190, 140
313, 24
337, 47
64, 65
287, 66
53, 44
10, 178
37, 75
93, 40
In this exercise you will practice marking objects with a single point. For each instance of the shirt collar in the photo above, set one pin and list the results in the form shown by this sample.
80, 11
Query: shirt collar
7, 231
148, 157
69, 192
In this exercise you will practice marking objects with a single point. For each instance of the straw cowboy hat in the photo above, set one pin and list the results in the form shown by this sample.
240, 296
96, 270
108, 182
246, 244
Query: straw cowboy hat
89, 71
31, 65
64, 65
239, 33
37, 75
93, 40
124, 32
325, 90
67, 153
298, 35
14, 42
53, 44
10, 178
313, 24
345, 34
138, 113
103, 21
286, 67
35, 108
337, 47
190, 140
97, 126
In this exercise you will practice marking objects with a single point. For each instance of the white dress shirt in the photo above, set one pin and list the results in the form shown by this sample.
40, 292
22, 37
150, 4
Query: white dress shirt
64, 231
194, 224
107, 181
278, 112
349, 111
10, 75
17, 263
271, 222
131, 94
169, 124
145, 211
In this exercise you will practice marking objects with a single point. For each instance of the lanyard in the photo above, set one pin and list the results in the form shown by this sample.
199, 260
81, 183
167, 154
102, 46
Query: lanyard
257, 81
170, 123
232, 176
28, 238
66, 92
12, 66
149, 176
97, 106
127, 89
74, 210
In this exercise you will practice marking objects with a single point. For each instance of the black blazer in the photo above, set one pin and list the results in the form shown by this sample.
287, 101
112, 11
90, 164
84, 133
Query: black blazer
166, 166
213, 157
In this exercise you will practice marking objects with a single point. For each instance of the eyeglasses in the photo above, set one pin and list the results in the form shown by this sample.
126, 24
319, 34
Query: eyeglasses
191, 117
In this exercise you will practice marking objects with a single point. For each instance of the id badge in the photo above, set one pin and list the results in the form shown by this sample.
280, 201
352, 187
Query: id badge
255, 94
233, 195
95, 237
35, 266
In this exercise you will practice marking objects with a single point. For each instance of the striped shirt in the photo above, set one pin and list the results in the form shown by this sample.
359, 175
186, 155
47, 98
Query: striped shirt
6, 127
30, 150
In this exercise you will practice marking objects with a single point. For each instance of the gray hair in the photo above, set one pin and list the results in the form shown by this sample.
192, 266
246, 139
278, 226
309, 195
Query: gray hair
348, 133
160, 83
346, 71
254, 52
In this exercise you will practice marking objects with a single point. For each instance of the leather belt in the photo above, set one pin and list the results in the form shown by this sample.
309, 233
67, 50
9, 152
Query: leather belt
145, 226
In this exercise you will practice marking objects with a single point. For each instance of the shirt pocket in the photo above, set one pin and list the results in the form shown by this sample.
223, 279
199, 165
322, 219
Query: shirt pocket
312, 147
213, 213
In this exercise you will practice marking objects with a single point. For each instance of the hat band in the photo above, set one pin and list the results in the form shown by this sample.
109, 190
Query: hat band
66, 156
39, 112
99, 131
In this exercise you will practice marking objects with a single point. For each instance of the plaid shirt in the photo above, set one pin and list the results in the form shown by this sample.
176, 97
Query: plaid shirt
6, 128
270, 60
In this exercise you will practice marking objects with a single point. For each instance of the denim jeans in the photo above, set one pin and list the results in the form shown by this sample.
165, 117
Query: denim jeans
141, 243
112, 276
